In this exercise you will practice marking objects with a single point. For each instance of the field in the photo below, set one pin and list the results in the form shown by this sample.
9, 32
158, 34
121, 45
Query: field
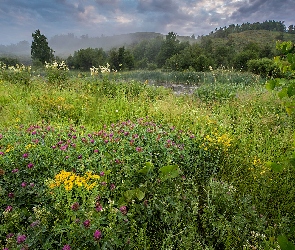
113, 161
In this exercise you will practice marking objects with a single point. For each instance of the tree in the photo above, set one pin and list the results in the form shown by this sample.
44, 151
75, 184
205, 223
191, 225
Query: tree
40, 50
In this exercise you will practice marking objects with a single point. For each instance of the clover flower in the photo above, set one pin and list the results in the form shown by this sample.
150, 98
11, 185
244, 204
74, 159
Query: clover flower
97, 235
123, 210
30, 165
75, 206
21, 238
66, 247
8, 209
86, 223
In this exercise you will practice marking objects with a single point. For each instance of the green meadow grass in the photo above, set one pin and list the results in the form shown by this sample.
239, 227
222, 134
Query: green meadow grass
236, 200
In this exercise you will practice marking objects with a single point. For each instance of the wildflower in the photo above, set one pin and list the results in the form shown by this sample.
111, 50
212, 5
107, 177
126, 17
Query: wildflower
101, 173
79, 156
14, 170
30, 165
66, 247
8, 209
35, 223
10, 235
86, 223
25, 155
1, 136
97, 235
75, 206
1, 153
138, 149
11, 195
32, 184
20, 239
24, 184
99, 208
112, 186
95, 150
123, 210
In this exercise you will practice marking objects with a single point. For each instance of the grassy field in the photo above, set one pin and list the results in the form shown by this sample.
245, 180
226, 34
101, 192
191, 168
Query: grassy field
110, 162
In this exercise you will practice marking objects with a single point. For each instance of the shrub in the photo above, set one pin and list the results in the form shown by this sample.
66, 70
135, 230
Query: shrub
264, 67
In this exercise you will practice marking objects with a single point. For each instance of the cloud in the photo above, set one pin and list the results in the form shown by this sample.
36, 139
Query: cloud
96, 17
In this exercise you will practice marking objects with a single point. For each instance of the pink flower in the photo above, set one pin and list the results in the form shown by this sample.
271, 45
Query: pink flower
112, 186
8, 209
25, 155
66, 247
138, 149
30, 165
99, 208
10, 235
86, 223
20, 239
24, 184
80, 157
95, 150
101, 173
75, 206
123, 210
14, 170
97, 235
11, 195
1, 153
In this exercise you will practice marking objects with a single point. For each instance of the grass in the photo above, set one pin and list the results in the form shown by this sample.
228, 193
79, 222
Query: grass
199, 161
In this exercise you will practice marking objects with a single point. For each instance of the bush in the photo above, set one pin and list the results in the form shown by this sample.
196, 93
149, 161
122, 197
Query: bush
264, 67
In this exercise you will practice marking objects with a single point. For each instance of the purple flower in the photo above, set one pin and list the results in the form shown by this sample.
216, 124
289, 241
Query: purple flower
75, 206
66, 247
54, 147
80, 157
138, 149
25, 155
86, 223
14, 170
11, 195
10, 235
30, 165
24, 184
99, 208
21, 238
112, 186
97, 235
8, 209
96, 151
1, 136
1, 153
101, 173
35, 223
32, 184
123, 210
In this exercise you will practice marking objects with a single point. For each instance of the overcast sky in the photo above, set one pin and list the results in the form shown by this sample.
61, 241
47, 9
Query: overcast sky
20, 18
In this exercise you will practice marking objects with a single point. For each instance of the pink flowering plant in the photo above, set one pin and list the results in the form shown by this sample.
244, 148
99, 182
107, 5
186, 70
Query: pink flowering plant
125, 185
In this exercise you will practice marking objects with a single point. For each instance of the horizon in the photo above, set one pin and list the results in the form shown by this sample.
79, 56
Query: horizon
20, 18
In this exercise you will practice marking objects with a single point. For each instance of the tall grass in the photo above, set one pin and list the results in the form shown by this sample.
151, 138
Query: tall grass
251, 120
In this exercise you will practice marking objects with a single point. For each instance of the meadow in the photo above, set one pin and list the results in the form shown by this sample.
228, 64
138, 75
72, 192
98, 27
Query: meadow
111, 161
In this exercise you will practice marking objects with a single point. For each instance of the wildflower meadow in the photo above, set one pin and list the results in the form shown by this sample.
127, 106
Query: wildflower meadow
92, 160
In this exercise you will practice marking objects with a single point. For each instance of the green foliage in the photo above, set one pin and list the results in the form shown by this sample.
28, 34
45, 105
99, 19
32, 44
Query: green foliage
264, 67
40, 51
57, 73
15, 74
84, 59
195, 176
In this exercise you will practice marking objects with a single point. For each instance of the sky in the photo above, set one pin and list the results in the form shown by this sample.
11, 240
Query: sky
20, 18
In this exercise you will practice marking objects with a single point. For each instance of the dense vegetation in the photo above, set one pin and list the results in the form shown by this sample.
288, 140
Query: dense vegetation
105, 162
